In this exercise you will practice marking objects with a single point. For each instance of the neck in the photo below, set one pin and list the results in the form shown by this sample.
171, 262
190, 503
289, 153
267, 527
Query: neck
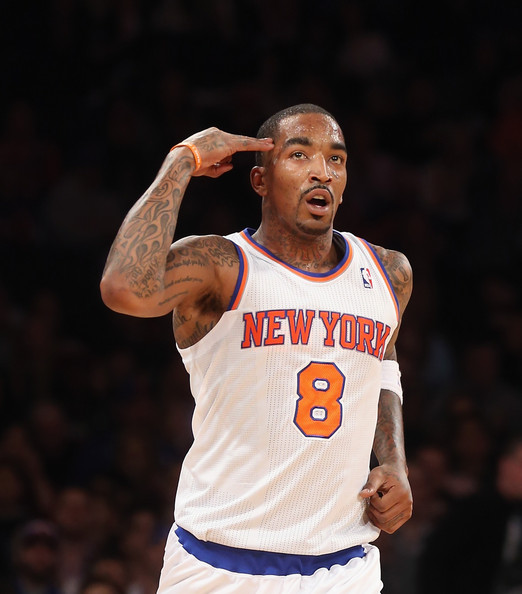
313, 253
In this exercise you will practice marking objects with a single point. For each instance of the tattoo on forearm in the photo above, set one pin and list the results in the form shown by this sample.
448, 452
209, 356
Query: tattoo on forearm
389, 441
141, 247
383, 433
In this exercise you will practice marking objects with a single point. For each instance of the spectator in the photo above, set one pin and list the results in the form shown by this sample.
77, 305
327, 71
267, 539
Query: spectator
35, 560
478, 545
100, 586
73, 516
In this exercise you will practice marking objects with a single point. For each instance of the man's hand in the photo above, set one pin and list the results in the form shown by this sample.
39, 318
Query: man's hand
216, 148
389, 498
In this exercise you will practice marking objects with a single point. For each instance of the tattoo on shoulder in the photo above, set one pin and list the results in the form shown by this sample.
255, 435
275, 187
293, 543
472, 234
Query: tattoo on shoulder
221, 251
203, 251
399, 270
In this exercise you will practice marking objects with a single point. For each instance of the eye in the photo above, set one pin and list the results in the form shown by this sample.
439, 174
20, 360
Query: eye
298, 155
337, 159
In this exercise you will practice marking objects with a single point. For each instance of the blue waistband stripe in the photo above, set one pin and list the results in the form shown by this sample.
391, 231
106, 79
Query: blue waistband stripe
262, 562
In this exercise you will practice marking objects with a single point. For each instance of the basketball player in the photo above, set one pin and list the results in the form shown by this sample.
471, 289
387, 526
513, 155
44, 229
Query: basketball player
288, 333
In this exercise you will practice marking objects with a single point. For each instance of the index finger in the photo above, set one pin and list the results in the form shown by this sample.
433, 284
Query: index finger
248, 143
381, 501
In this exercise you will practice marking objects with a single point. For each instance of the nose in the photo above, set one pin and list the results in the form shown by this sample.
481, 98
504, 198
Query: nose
319, 171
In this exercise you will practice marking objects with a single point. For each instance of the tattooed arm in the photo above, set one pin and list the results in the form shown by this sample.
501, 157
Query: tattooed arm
387, 490
145, 274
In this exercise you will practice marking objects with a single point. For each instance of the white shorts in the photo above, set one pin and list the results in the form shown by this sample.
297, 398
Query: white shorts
183, 573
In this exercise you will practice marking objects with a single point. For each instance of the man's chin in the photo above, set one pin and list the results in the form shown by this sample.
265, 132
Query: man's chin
314, 228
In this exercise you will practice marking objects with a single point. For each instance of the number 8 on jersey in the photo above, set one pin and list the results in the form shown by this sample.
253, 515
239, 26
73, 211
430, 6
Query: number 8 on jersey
318, 410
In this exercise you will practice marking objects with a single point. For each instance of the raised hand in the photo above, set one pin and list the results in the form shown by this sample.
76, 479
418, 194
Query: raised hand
215, 149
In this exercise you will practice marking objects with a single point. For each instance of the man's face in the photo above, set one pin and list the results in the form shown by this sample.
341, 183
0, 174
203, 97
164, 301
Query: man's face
37, 560
305, 174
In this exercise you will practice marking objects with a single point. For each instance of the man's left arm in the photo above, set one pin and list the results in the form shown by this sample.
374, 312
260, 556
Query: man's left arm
387, 489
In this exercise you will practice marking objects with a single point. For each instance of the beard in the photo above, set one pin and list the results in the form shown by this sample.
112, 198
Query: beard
317, 227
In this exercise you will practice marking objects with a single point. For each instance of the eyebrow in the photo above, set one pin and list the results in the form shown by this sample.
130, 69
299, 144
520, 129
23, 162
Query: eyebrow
305, 141
302, 140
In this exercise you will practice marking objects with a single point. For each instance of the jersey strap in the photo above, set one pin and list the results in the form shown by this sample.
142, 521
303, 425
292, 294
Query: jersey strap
262, 562
241, 279
380, 266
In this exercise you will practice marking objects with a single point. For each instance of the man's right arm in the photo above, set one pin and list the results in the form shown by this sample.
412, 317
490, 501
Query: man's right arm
133, 281
138, 279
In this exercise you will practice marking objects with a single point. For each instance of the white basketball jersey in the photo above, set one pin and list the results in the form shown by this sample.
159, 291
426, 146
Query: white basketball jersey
286, 387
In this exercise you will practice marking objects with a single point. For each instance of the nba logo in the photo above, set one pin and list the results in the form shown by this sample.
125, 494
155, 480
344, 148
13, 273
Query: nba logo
367, 278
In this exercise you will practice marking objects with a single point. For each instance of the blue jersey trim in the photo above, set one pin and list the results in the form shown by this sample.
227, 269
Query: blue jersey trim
239, 280
262, 562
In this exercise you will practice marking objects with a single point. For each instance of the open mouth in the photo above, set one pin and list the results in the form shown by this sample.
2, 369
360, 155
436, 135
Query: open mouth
318, 200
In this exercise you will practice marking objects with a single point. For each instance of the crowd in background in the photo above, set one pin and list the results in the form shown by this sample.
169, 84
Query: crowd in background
95, 407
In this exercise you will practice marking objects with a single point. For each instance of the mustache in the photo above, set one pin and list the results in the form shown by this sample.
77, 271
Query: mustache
318, 187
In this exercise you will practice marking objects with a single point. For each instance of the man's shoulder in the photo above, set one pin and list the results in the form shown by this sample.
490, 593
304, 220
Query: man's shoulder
399, 271
390, 258
214, 245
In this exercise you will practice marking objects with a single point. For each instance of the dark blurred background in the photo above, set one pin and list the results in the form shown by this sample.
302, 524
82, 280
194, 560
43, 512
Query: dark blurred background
94, 406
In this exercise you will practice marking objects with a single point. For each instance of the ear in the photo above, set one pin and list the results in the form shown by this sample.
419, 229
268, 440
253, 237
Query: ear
257, 179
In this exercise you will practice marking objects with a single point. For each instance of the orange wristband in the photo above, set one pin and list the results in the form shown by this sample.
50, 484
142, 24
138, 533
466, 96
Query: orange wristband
193, 150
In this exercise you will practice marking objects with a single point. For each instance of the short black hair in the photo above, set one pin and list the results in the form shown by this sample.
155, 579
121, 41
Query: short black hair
270, 128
